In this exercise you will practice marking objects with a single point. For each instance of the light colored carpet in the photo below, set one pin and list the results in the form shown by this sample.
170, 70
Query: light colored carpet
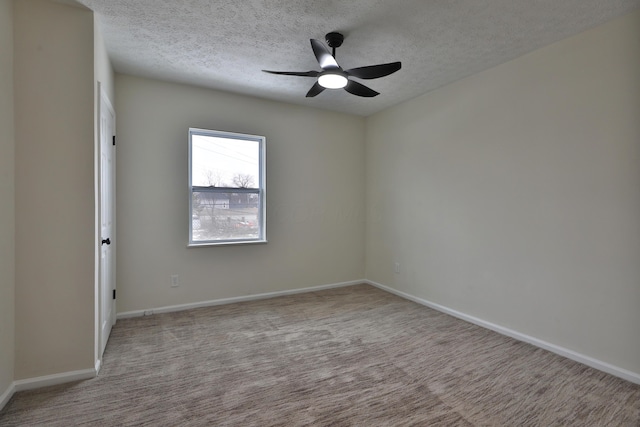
354, 356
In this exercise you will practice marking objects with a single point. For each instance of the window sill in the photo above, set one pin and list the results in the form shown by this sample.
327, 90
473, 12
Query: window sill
232, 243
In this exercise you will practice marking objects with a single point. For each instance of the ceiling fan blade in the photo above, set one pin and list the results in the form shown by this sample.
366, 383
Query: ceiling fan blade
359, 89
315, 89
375, 71
324, 57
295, 73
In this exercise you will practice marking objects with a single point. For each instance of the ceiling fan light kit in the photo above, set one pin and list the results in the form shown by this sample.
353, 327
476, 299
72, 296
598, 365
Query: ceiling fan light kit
332, 80
333, 76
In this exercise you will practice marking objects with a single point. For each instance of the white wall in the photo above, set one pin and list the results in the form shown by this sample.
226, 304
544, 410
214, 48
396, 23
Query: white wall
513, 195
315, 201
54, 181
7, 206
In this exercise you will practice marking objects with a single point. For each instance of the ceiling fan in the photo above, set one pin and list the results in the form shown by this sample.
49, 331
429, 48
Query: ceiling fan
333, 76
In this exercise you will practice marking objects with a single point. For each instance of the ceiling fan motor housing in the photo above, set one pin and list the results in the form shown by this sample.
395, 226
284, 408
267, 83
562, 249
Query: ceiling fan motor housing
334, 39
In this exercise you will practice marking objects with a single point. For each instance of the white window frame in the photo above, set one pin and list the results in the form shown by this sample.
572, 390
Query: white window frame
261, 190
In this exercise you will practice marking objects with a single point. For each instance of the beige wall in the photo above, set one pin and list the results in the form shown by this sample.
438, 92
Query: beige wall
513, 195
54, 86
7, 206
315, 186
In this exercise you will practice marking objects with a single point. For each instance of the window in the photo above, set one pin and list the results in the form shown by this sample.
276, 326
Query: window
227, 188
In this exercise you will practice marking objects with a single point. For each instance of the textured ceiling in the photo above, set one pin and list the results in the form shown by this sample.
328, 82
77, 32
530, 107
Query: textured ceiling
224, 45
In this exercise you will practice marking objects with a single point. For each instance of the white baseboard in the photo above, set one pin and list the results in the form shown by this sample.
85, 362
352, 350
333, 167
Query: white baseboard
6, 396
625, 374
180, 307
47, 380
55, 379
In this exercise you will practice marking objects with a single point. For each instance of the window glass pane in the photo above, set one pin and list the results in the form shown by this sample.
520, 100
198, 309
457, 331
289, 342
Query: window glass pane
224, 162
227, 188
225, 216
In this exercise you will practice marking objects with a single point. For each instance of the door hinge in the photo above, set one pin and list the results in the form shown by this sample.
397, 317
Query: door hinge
114, 140
114, 294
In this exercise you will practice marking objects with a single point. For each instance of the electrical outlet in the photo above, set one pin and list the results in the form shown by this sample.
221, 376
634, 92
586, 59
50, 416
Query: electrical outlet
174, 281
396, 268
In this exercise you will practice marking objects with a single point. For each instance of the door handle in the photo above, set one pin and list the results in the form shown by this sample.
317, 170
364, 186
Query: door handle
107, 241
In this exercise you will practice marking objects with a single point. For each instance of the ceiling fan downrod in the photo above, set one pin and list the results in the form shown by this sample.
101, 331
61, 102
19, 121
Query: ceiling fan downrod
334, 40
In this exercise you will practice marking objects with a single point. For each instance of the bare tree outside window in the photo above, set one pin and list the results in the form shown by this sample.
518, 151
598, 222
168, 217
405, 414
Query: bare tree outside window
214, 178
242, 180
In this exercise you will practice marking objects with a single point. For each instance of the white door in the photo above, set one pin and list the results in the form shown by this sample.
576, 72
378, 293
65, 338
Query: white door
107, 224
